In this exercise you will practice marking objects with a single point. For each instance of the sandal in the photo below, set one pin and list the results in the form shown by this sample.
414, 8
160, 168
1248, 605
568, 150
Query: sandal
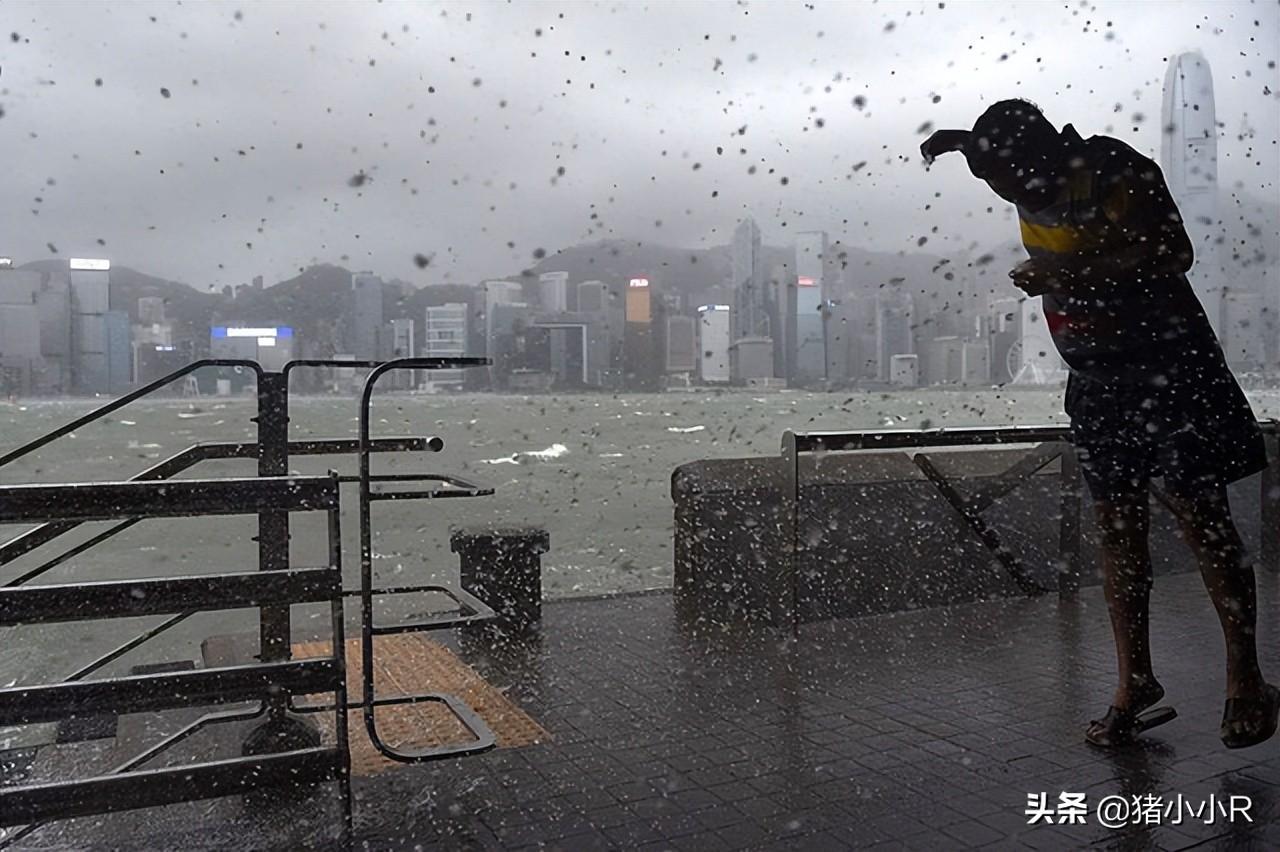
1250, 721
1120, 727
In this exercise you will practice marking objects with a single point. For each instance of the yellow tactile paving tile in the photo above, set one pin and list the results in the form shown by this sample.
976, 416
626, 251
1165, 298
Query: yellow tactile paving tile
410, 663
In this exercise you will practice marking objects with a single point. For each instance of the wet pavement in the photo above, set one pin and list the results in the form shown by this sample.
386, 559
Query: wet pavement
923, 729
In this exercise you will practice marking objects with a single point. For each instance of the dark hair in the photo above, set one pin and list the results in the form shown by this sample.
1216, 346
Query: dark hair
1008, 135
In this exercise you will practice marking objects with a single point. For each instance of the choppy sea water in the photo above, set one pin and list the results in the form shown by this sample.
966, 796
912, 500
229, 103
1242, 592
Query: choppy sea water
593, 469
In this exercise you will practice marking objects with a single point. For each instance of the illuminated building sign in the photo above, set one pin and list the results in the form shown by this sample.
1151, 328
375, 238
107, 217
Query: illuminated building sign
264, 333
702, 308
90, 263
806, 281
638, 282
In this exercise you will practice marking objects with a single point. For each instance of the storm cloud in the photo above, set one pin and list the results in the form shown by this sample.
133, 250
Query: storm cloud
213, 142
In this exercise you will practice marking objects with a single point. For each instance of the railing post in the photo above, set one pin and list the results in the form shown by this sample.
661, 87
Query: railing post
784, 604
1069, 525
273, 527
1269, 532
280, 732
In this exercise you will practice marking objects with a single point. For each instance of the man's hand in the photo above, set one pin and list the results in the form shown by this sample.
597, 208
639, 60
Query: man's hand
942, 142
1036, 276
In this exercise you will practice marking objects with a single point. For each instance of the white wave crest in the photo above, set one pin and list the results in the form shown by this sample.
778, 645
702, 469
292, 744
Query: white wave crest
554, 451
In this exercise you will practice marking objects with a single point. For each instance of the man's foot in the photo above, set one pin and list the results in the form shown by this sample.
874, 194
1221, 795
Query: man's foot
1250, 720
1125, 721
1137, 695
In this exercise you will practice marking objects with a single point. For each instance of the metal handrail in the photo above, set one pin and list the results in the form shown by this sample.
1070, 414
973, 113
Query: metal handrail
30, 539
186, 732
206, 779
485, 738
276, 406
786, 606
448, 362
117, 404
183, 460
892, 439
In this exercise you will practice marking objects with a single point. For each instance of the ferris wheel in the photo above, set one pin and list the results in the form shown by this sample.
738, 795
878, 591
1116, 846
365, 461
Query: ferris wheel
1030, 371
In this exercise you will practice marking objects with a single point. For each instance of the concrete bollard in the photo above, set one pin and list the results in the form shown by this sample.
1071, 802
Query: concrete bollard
502, 566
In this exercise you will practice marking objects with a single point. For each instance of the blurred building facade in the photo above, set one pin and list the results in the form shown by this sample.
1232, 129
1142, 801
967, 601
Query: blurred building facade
445, 335
714, 330
366, 327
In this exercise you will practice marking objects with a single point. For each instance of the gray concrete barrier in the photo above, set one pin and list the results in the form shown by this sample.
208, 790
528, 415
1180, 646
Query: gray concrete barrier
877, 536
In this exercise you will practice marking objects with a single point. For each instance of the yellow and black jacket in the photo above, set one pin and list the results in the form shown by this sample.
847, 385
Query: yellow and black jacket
1109, 329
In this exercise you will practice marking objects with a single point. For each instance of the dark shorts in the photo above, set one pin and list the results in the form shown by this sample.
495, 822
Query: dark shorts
1195, 430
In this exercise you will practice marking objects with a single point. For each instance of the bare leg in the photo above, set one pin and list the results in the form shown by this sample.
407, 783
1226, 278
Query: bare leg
1126, 564
1205, 519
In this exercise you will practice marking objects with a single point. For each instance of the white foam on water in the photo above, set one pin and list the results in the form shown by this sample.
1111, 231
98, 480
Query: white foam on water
554, 451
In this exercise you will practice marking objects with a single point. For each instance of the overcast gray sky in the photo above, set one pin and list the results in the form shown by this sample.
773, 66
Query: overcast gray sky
462, 115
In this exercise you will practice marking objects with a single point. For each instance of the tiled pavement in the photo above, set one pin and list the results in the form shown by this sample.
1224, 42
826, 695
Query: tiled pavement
916, 730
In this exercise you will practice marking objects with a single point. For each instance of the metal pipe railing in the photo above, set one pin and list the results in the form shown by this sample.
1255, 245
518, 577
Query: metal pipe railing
785, 611
485, 739
36, 536
121, 402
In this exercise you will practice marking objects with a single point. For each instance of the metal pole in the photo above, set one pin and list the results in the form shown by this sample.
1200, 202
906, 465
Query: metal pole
1269, 534
826, 355
1069, 525
784, 613
273, 526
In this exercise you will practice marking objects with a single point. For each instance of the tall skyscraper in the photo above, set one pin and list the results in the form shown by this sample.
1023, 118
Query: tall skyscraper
90, 296
445, 335
806, 346
713, 343
553, 291
1242, 330
497, 293
401, 343
54, 301
150, 310
682, 344
750, 283
366, 316
119, 351
592, 297
893, 330
1189, 159
20, 361
858, 315
642, 355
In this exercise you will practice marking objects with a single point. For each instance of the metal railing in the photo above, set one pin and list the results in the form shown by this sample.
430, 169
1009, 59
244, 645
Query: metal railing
1050, 443
129, 786
182, 598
